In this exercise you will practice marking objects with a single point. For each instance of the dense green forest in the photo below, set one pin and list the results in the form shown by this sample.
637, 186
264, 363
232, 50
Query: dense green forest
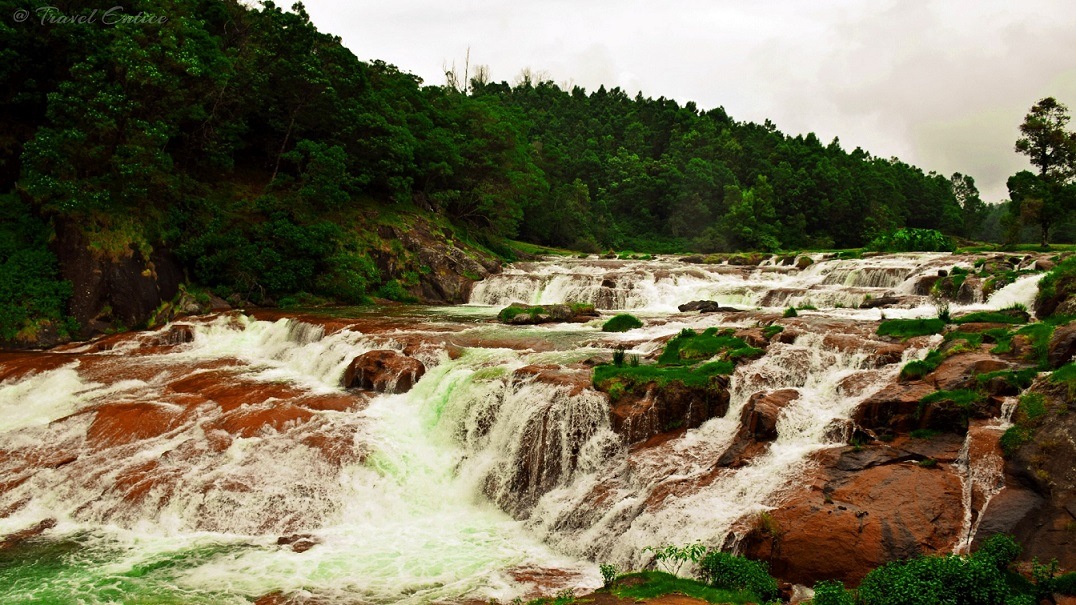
253, 148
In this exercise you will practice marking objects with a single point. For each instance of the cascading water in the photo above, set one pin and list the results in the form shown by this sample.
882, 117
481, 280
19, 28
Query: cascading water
189, 472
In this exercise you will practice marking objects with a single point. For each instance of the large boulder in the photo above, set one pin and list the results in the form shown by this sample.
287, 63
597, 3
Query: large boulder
959, 371
840, 524
1062, 346
384, 371
758, 425
520, 314
705, 306
648, 410
894, 409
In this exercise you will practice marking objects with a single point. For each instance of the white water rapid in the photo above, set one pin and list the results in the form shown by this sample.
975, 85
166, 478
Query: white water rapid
234, 465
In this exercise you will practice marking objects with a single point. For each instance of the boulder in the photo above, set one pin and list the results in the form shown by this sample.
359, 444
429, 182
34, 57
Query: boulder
705, 306
881, 301
519, 314
842, 524
384, 371
959, 371
803, 262
894, 409
758, 424
1062, 346
648, 410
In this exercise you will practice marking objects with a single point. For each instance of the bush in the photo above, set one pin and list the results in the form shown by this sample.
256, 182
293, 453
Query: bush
912, 240
1065, 583
790, 312
933, 580
999, 549
831, 592
919, 368
724, 570
608, 574
622, 323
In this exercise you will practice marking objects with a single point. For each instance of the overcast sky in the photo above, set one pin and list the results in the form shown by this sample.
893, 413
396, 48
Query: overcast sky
940, 84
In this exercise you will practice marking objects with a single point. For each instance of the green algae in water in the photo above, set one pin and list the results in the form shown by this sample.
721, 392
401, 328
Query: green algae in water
85, 569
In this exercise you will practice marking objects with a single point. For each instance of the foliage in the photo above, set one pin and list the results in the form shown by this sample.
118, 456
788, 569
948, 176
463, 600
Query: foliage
673, 557
609, 573
31, 294
1044, 199
790, 312
690, 347
618, 356
912, 240
907, 328
724, 570
608, 376
1058, 284
999, 317
622, 323
653, 584
919, 368
831, 592
1065, 583
770, 331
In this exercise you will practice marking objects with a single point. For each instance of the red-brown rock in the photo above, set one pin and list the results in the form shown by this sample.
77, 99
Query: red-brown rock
384, 371
858, 521
959, 371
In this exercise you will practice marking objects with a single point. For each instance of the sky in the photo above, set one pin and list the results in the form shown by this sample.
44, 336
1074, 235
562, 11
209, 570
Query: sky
942, 84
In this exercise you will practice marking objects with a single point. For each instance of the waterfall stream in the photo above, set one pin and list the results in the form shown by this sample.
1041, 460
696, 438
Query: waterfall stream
192, 472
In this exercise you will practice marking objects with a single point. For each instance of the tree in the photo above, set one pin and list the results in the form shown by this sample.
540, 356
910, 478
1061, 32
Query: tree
1046, 142
1045, 199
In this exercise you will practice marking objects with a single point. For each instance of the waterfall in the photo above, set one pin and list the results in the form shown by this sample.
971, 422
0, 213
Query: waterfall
233, 464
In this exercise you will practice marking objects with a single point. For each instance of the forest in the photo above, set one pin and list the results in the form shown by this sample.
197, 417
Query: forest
254, 148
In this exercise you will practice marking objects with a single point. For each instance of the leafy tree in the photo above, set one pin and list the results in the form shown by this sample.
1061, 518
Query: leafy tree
1046, 199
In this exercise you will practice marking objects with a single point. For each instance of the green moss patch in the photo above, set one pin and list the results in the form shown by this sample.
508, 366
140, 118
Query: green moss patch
622, 323
653, 584
907, 328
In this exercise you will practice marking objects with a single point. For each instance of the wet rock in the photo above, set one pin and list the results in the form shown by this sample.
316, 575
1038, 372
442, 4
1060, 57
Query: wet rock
122, 423
750, 260
881, 301
1043, 265
693, 259
705, 306
959, 371
384, 371
176, 334
894, 409
842, 524
23, 535
520, 314
649, 410
1062, 346
298, 542
758, 424
803, 262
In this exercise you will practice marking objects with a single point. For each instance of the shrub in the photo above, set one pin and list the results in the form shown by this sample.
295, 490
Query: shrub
608, 574
622, 323
912, 240
932, 580
672, 558
790, 312
1065, 583
832, 592
618, 357
724, 570
999, 549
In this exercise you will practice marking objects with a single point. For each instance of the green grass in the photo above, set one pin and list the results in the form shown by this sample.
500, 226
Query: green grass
607, 377
770, 331
622, 323
925, 433
1039, 334
907, 328
993, 317
653, 584
915, 370
1020, 379
689, 346
962, 397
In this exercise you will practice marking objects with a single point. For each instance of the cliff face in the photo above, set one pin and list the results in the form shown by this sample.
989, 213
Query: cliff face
113, 292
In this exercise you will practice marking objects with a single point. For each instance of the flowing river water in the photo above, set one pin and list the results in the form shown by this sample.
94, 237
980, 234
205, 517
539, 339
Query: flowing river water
233, 465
